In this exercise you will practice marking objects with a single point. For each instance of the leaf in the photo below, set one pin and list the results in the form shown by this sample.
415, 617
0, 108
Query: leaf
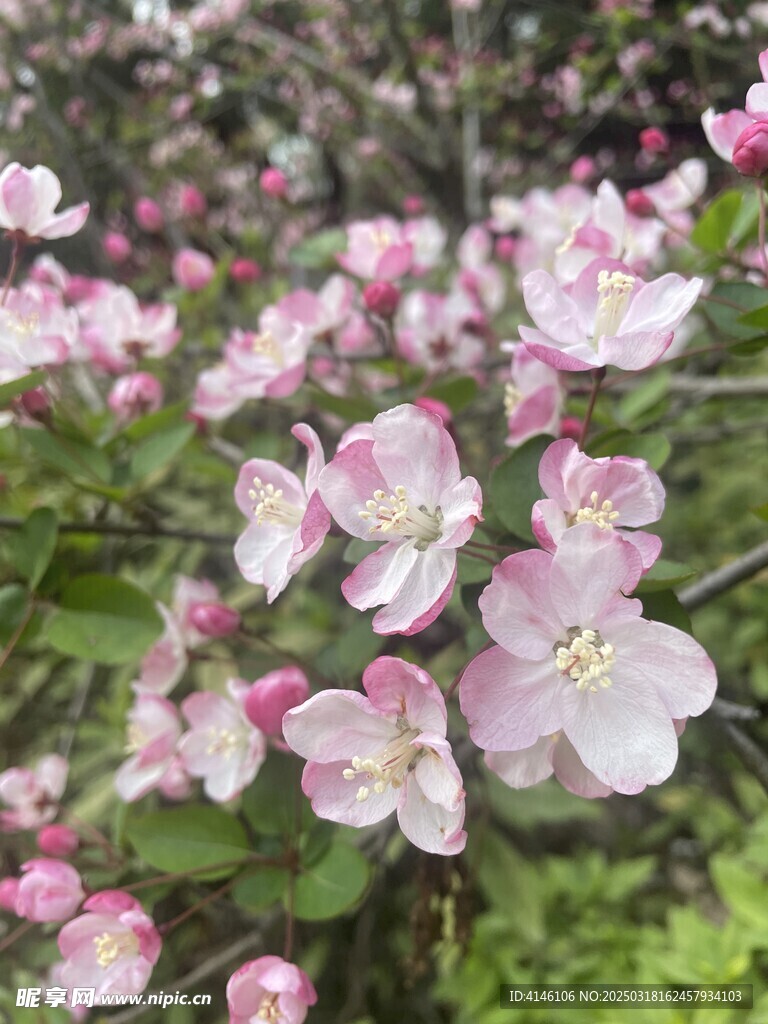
270, 802
154, 422
159, 449
729, 301
349, 408
187, 838
332, 884
654, 448
761, 511
17, 387
261, 889
713, 229
664, 575
13, 606
355, 648
456, 393
318, 252
31, 548
755, 318
515, 486
664, 606
749, 348
104, 619
741, 889
642, 398
72, 457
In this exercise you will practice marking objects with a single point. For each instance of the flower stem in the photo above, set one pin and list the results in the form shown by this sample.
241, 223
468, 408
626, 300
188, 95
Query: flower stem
476, 554
598, 376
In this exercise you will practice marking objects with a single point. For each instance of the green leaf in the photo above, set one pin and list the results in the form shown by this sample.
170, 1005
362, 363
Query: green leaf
154, 422
318, 252
349, 408
457, 393
355, 648
642, 398
729, 301
715, 226
749, 348
515, 486
664, 575
17, 387
755, 318
270, 802
72, 457
13, 606
664, 606
332, 884
159, 449
761, 511
742, 890
261, 889
31, 548
654, 448
189, 838
104, 619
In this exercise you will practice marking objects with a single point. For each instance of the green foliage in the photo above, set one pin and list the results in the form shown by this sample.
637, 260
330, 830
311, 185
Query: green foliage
31, 548
189, 838
331, 885
515, 487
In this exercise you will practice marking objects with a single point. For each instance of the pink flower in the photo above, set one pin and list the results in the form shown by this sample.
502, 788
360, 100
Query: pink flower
608, 317
654, 140
413, 205
288, 520
376, 249
582, 169
533, 397
134, 395
32, 795
271, 362
148, 215
575, 655
244, 271
214, 619
223, 747
368, 756
111, 948
117, 329
117, 247
35, 330
427, 236
609, 493
273, 182
193, 270
750, 151
440, 332
269, 989
49, 890
549, 755
722, 130
57, 841
404, 488
192, 201
270, 697
28, 199
381, 298
9, 890
152, 735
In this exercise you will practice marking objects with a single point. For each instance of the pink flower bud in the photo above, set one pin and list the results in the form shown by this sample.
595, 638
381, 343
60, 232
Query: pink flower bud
36, 402
505, 248
49, 890
148, 215
436, 406
750, 151
639, 203
244, 271
117, 247
193, 202
571, 427
413, 205
135, 394
582, 169
57, 841
214, 619
273, 183
192, 269
9, 889
271, 696
654, 140
381, 298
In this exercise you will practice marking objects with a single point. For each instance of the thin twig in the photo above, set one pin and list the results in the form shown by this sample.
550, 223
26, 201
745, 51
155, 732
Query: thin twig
715, 583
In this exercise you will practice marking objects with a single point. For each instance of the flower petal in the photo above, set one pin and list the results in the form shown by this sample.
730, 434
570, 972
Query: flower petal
337, 725
516, 608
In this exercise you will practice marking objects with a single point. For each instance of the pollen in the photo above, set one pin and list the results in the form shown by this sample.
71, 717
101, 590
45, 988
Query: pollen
222, 741
386, 768
111, 947
266, 345
602, 515
613, 293
396, 514
586, 659
271, 508
512, 398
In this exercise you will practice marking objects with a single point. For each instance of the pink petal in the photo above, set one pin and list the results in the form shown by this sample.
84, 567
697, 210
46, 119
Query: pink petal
571, 773
573, 359
548, 522
412, 448
437, 773
315, 457
253, 548
516, 607
348, 482
559, 464
522, 768
429, 616
422, 595
537, 413
335, 797
660, 305
395, 262
309, 538
395, 687
634, 351
337, 725
648, 545
462, 509
66, 223
429, 826
552, 310
379, 577
509, 702
757, 101
722, 130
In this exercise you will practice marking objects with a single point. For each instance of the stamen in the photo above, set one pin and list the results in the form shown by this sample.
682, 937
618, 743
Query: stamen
395, 514
270, 508
269, 1010
388, 767
615, 290
603, 516
512, 398
22, 325
110, 947
223, 741
266, 345
585, 658
135, 738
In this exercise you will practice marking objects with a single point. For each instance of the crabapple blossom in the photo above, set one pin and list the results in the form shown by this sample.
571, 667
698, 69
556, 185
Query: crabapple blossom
376, 249
269, 989
152, 735
273, 183
148, 215
49, 890
608, 317
549, 755
135, 394
533, 396
270, 697
9, 890
610, 493
321, 313
368, 756
287, 519
28, 199
111, 948
192, 269
35, 330
117, 247
722, 130
223, 747
244, 271
32, 794
750, 151
57, 841
440, 332
381, 298
427, 236
575, 655
214, 619
654, 140
192, 201
404, 488
117, 328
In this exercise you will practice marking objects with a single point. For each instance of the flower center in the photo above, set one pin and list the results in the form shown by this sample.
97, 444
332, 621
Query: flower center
270, 508
512, 398
613, 292
586, 658
111, 947
266, 345
395, 514
381, 239
24, 326
223, 742
389, 766
602, 516
268, 1009
135, 738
